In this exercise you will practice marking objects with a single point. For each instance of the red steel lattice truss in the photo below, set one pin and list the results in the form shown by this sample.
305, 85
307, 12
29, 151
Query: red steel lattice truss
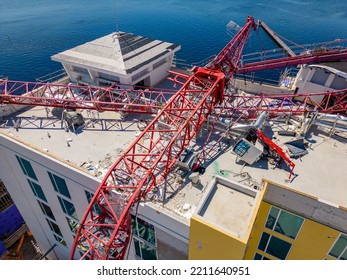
150, 157
83, 97
145, 164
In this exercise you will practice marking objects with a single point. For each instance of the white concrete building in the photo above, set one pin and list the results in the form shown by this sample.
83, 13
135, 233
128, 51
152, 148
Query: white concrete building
119, 57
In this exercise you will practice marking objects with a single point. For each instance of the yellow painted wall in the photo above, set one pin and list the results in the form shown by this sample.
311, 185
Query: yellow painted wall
257, 231
207, 242
312, 243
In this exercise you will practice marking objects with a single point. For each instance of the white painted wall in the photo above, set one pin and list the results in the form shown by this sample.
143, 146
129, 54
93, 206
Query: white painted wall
19, 189
158, 74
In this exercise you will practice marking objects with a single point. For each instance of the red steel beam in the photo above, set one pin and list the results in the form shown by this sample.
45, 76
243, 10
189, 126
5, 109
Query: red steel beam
289, 104
83, 97
305, 58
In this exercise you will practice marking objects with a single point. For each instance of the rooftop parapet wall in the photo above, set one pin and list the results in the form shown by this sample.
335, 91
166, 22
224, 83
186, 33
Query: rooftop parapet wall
324, 212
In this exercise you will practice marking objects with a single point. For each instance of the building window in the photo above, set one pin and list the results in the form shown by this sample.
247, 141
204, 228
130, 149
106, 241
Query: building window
283, 222
67, 207
37, 190
59, 185
144, 239
73, 225
26, 167
54, 227
274, 246
339, 250
260, 257
144, 251
144, 230
96, 207
60, 240
46, 210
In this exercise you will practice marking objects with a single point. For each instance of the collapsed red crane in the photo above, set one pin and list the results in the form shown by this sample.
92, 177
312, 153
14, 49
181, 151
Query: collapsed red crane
150, 157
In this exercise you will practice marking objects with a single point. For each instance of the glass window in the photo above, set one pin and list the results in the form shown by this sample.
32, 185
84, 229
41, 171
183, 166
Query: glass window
54, 227
59, 184
143, 230
278, 248
260, 257
134, 226
144, 251
26, 167
339, 249
46, 210
96, 207
67, 207
60, 240
263, 241
37, 190
274, 246
144, 239
146, 231
284, 222
241, 148
73, 225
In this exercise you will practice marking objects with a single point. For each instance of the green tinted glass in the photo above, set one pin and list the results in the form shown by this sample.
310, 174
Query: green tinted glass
339, 246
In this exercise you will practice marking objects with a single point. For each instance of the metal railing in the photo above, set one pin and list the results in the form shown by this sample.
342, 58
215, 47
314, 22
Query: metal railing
51, 77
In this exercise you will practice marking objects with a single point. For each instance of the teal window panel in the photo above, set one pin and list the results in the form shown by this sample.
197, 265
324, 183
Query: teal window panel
37, 190
26, 167
59, 185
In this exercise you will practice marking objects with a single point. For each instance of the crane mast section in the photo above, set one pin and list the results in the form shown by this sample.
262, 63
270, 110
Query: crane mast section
145, 164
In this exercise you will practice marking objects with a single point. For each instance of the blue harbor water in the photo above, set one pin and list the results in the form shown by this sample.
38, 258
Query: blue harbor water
32, 31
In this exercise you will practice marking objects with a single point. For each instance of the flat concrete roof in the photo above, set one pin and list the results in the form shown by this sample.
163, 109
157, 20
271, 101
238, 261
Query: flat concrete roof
94, 148
121, 53
228, 206
320, 173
